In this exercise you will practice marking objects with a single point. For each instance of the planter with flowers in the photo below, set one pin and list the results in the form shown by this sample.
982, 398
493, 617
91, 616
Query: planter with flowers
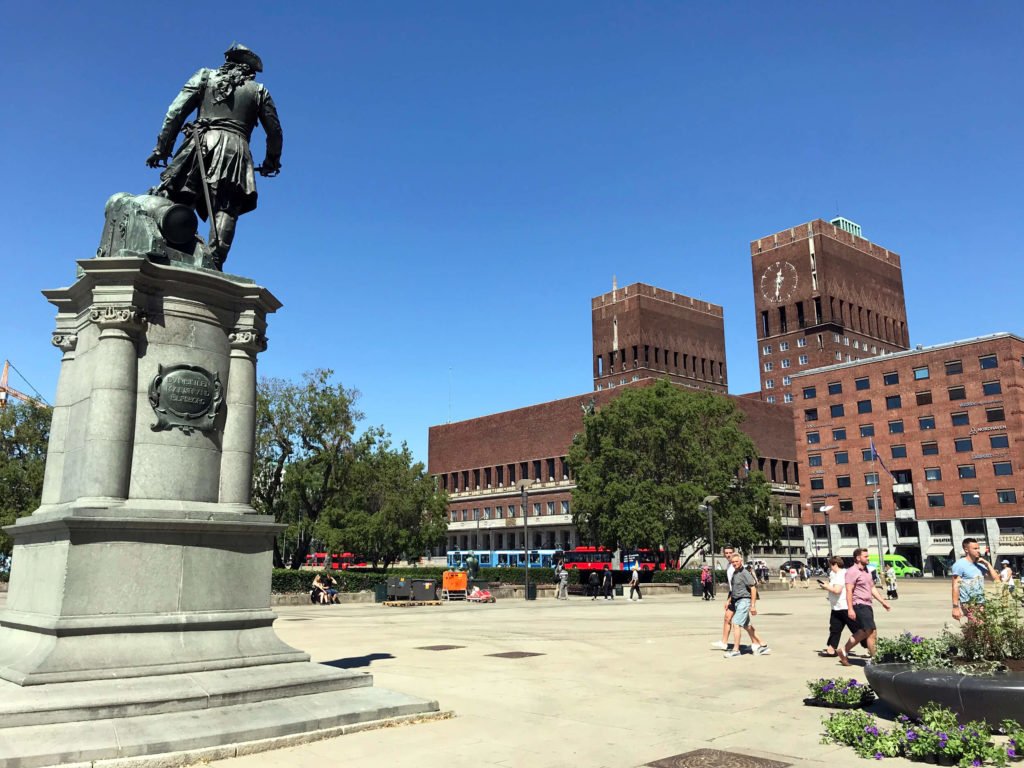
839, 693
972, 670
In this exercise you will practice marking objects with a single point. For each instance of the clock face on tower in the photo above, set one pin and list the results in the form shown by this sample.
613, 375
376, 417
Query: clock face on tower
778, 282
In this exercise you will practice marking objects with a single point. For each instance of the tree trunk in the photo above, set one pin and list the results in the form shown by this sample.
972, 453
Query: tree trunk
301, 550
278, 560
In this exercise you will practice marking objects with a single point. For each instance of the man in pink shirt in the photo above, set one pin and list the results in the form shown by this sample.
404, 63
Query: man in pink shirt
860, 589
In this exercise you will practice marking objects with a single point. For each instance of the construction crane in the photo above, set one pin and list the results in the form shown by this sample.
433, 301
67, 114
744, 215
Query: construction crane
5, 390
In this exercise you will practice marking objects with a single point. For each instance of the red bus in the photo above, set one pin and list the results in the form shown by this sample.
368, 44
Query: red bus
337, 562
587, 558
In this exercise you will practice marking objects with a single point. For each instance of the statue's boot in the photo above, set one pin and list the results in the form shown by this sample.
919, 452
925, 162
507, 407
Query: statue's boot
225, 234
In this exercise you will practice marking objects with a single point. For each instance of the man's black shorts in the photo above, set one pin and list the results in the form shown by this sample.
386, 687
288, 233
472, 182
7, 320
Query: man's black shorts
865, 617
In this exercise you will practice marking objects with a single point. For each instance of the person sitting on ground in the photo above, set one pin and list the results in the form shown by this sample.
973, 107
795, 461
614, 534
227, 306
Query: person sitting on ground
330, 588
318, 595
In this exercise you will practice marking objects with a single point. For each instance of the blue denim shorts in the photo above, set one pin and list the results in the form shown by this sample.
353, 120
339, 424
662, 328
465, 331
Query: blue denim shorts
742, 617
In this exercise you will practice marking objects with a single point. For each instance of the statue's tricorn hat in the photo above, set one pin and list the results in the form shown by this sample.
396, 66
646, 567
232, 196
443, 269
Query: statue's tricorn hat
244, 55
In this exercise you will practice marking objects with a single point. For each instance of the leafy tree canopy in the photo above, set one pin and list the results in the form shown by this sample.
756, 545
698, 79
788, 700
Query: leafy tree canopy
645, 461
390, 507
303, 431
24, 434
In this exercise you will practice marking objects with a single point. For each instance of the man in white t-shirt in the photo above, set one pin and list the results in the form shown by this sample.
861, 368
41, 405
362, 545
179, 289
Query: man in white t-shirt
730, 608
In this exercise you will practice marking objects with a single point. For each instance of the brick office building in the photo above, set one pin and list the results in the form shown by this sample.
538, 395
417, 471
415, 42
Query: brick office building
823, 294
947, 421
478, 461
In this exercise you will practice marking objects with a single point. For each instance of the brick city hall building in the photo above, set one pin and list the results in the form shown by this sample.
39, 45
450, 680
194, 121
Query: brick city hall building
640, 334
946, 422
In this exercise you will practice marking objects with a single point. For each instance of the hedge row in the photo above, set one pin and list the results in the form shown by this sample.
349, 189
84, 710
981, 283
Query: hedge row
286, 580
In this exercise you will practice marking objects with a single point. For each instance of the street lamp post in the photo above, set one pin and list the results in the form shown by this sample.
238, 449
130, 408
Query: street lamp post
828, 528
706, 508
522, 485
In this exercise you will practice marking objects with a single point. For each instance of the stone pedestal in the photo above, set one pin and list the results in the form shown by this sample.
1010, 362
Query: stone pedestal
145, 573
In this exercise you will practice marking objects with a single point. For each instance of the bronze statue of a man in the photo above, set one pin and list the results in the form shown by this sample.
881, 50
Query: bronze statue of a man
212, 171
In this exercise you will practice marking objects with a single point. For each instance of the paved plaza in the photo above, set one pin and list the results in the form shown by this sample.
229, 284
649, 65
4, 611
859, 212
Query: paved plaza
613, 684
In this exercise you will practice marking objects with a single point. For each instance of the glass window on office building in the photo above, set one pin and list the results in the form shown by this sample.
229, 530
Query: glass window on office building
953, 367
890, 378
842, 457
803, 359
843, 481
996, 413
839, 434
801, 342
991, 388
863, 383
933, 473
810, 393
835, 388
788, 398
893, 401
817, 483
896, 427
863, 406
957, 393
999, 441
936, 500
960, 419
813, 437
926, 422
966, 471
1002, 468
814, 460
783, 346
930, 449
925, 397
870, 478
987, 361
921, 373
899, 451
1008, 496
836, 410
970, 498
867, 430
963, 445
865, 454
565, 507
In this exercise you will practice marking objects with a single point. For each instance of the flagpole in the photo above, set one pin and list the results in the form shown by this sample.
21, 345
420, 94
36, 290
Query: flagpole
878, 520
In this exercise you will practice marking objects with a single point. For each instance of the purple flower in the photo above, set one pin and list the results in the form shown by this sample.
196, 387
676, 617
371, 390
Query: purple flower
962, 727
878, 755
975, 762
911, 736
1011, 752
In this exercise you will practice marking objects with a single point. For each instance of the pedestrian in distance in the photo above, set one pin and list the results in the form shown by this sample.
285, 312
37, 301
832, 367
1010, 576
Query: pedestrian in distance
1006, 576
860, 590
608, 583
891, 587
634, 582
969, 578
563, 582
838, 616
743, 590
728, 551
706, 580
593, 580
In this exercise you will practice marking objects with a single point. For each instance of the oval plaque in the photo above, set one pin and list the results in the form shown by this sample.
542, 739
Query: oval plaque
185, 396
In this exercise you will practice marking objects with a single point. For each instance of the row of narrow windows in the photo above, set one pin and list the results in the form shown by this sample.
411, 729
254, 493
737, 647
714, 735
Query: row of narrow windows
663, 359
539, 470
846, 314
779, 470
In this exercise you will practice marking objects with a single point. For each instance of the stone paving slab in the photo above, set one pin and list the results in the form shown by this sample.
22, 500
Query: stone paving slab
615, 684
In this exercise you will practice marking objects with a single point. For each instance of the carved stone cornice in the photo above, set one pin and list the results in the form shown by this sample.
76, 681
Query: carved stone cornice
66, 342
247, 340
122, 317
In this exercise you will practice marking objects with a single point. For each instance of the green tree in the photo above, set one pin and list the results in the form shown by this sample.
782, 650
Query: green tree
645, 461
390, 508
24, 434
303, 432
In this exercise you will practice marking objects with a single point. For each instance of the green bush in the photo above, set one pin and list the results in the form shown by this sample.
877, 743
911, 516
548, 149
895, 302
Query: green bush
685, 576
912, 649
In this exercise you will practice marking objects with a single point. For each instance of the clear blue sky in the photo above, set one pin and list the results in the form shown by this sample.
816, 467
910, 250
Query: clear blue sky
461, 177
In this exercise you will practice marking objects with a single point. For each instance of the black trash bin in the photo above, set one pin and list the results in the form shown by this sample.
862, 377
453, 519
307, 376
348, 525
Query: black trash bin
399, 588
424, 589
531, 592
380, 592
698, 590
619, 592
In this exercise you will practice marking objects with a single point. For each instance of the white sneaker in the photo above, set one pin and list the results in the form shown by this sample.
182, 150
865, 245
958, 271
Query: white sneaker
762, 650
732, 654
754, 647
718, 644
